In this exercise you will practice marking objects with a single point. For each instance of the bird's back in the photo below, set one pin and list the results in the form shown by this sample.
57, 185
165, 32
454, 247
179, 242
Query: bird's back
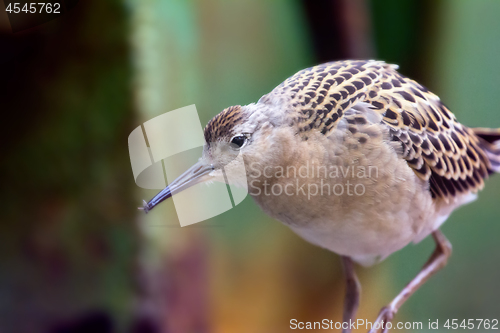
453, 158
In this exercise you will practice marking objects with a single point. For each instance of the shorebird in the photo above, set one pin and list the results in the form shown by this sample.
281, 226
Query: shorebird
354, 157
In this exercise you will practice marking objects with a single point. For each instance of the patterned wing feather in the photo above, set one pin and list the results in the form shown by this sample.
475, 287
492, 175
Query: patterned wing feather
436, 146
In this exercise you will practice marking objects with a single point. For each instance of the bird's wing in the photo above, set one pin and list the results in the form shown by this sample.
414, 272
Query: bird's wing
436, 146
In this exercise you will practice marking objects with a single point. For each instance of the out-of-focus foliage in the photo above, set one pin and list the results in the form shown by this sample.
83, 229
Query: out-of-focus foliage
67, 235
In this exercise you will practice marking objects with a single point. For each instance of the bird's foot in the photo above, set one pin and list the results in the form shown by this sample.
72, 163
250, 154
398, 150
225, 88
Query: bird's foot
385, 316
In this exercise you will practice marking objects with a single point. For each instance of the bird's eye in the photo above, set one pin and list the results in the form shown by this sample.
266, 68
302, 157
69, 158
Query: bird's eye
238, 141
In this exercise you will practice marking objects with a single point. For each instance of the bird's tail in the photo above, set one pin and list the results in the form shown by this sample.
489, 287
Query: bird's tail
490, 143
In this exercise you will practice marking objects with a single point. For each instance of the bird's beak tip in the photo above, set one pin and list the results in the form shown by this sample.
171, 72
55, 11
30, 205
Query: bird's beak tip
144, 207
192, 176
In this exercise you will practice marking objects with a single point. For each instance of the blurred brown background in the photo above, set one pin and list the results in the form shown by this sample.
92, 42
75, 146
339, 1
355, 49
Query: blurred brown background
77, 256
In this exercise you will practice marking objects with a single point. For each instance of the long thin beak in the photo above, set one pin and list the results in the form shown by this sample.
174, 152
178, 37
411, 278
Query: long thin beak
194, 175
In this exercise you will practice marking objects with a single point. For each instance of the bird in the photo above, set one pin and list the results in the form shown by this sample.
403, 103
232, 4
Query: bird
355, 158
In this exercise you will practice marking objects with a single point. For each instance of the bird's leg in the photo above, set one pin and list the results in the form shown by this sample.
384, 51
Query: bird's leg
352, 292
437, 260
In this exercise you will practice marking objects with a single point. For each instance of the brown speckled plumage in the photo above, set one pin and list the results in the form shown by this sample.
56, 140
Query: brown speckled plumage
452, 157
221, 125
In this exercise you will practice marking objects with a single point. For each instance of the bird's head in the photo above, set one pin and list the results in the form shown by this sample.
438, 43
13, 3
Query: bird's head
231, 137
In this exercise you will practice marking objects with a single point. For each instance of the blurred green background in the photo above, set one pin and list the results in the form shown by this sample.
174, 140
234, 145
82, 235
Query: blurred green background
77, 256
